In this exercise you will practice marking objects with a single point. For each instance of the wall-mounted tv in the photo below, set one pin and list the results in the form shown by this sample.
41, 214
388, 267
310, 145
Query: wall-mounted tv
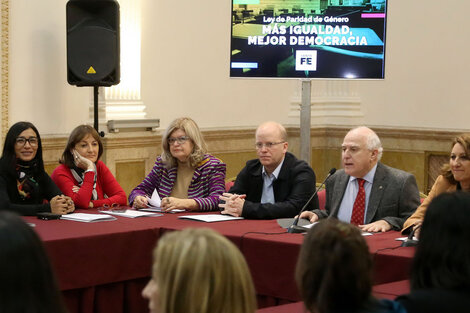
325, 39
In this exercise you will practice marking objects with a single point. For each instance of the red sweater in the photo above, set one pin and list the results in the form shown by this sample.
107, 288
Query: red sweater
106, 184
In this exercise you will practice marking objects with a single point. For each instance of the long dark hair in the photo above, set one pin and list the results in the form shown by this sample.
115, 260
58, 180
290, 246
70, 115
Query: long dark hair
27, 283
442, 258
75, 137
334, 262
8, 159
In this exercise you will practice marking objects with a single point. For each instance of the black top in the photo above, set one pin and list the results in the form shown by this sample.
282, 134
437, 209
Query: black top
292, 189
11, 200
436, 301
382, 306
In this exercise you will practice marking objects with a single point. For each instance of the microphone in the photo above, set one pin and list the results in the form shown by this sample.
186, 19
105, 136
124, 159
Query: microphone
410, 242
297, 229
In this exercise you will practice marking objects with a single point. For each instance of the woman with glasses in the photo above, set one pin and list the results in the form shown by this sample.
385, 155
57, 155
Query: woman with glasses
25, 187
185, 176
82, 176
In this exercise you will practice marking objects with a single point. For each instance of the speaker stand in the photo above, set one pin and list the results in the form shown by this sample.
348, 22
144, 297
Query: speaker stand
95, 110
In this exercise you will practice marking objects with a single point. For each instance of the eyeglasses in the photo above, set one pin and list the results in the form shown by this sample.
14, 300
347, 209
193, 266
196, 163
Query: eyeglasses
114, 207
179, 140
21, 141
268, 145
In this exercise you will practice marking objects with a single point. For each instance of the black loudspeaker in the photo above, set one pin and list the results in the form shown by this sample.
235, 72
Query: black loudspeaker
93, 42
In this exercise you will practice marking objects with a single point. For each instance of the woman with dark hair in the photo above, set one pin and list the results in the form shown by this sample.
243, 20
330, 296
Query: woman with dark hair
334, 271
24, 185
440, 274
27, 282
82, 176
455, 176
185, 175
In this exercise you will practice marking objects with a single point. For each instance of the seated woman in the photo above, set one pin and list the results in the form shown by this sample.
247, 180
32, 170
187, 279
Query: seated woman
199, 270
184, 176
27, 282
440, 272
24, 185
334, 271
82, 176
455, 176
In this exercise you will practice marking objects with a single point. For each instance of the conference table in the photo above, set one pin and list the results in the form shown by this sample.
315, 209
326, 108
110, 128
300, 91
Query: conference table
103, 266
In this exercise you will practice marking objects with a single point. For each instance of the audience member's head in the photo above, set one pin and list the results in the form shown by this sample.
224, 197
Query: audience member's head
361, 150
23, 144
458, 168
81, 135
199, 271
334, 269
442, 258
183, 141
271, 144
27, 283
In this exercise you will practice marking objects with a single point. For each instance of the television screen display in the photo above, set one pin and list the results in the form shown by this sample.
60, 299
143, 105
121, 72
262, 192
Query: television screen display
342, 39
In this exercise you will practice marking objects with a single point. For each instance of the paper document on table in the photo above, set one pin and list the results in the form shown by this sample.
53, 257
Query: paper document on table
155, 200
155, 209
209, 218
405, 238
87, 217
308, 226
131, 213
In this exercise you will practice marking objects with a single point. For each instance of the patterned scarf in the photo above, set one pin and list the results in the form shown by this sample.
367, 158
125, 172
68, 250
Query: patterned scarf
25, 181
79, 174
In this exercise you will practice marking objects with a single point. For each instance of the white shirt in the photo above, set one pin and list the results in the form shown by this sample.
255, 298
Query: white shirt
267, 195
350, 194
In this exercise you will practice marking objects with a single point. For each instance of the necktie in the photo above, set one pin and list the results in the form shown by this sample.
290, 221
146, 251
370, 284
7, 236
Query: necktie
357, 216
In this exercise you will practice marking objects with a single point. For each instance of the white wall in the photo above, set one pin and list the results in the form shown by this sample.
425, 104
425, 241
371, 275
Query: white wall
185, 68
39, 91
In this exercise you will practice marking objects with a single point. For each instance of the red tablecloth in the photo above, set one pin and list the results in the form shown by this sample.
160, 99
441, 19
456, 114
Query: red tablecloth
387, 291
101, 261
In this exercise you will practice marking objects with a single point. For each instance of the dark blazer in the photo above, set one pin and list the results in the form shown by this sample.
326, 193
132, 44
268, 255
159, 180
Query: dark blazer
10, 199
393, 198
294, 186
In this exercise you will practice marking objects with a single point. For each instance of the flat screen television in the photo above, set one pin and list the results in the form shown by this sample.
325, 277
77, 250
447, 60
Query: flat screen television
324, 39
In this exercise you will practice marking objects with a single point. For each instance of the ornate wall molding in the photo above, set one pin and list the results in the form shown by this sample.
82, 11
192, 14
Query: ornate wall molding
407, 149
332, 103
5, 49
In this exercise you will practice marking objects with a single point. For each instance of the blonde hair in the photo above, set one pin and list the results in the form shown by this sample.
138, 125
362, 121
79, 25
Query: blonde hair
464, 141
193, 132
200, 271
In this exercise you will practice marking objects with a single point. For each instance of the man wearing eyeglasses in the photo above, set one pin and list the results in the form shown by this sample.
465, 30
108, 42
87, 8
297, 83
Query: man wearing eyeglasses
276, 185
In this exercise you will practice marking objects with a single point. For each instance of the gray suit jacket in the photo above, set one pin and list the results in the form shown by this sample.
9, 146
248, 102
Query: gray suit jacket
393, 198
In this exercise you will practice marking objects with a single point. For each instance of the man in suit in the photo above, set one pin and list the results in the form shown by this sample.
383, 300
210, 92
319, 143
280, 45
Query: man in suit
375, 197
275, 185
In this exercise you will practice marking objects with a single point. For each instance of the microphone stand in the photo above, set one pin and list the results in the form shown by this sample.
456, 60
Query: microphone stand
410, 242
294, 229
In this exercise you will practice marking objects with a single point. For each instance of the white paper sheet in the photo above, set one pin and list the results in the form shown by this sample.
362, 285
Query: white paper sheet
154, 209
209, 218
132, 213
87, 217
155, 200
404, 238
